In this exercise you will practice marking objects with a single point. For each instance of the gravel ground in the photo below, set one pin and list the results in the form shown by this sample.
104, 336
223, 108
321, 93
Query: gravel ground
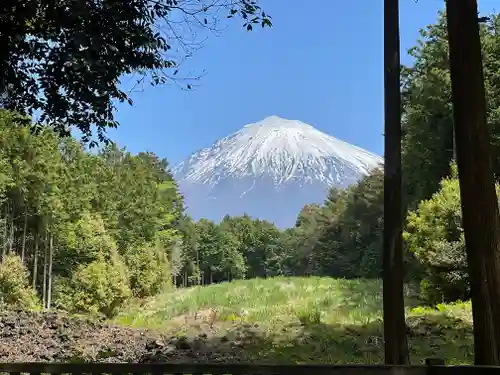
53, 337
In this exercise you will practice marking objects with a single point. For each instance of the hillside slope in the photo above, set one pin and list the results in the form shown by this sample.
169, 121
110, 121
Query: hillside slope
303, 320
269, 170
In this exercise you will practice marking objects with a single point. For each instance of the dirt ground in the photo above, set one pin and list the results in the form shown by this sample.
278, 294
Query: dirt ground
53, 337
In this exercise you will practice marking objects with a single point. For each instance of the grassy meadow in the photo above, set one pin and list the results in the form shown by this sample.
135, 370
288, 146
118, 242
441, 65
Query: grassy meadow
304, 320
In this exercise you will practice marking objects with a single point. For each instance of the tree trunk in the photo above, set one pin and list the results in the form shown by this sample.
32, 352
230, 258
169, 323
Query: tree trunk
23, 245
454, 144
396, 346
199, 281
477, 187
49, 281
44, 286
35, 262
11, 237
5, 232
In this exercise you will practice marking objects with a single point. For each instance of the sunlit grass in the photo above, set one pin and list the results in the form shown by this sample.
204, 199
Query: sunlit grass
267, 300
308, 320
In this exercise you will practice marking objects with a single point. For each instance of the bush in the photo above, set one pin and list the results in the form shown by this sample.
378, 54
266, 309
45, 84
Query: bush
100, 287
149, 270
82, 242
435, 236
15, 290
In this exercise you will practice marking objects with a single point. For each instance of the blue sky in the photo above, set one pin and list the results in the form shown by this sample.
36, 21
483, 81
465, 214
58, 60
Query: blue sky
322, 65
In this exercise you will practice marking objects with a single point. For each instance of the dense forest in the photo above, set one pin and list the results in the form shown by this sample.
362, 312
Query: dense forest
86, 231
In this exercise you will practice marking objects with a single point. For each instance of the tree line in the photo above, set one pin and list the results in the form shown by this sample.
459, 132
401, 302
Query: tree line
343, 237
86, 231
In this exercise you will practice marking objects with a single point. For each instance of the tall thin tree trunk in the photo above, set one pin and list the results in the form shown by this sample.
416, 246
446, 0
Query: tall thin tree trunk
477, 187
5, 232
23, 245
49, 281
35, 262
44, 286
454, 145
396, 346
199, 278
11, 237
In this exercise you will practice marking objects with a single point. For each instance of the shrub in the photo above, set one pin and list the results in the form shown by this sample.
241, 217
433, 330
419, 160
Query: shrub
98, 287
149, 270
435, 236
82, 242
15, 290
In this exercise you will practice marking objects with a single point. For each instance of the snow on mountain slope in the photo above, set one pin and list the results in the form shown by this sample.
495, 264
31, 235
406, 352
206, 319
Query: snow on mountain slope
266, 166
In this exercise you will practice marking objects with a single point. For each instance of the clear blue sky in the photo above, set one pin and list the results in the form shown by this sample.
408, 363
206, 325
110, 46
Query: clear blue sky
321, 64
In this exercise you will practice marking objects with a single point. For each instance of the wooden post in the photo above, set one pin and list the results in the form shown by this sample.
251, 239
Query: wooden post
475, 172
396, 347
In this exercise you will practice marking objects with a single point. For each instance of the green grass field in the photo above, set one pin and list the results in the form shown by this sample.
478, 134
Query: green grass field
304, 320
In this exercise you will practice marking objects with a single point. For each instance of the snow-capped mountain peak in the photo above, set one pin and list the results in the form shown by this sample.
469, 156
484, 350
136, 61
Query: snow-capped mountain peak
269, 170
282, 150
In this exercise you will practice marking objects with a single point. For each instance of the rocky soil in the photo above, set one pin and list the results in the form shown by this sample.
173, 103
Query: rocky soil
52, 337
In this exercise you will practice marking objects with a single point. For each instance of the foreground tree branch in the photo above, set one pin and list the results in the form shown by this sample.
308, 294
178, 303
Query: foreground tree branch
63, 59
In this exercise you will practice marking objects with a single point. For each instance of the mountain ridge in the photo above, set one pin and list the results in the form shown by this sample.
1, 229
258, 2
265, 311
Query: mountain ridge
272, 156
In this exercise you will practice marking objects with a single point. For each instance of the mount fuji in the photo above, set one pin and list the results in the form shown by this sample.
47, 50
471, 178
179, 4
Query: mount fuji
269, 169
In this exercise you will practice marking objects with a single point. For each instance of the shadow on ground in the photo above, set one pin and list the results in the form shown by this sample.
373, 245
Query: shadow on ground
431, 336
26, 337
